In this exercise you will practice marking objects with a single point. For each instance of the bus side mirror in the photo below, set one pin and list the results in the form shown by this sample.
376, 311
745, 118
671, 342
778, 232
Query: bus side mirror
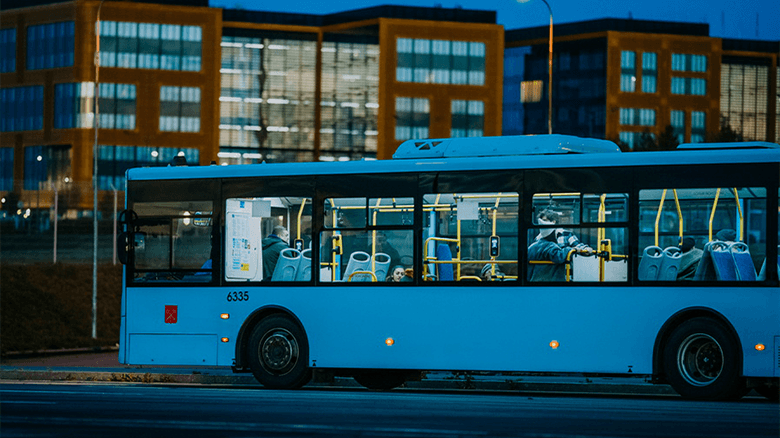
122, 247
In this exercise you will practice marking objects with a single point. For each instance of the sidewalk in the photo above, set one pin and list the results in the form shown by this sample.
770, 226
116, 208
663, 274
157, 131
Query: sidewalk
104, 367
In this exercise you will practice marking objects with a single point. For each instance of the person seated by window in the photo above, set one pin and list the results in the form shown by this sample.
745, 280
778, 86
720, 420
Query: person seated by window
272, 247
551, 245
726, 235
398, 275
691, 256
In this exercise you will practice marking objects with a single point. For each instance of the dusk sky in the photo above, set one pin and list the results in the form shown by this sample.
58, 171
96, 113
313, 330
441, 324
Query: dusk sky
744, 19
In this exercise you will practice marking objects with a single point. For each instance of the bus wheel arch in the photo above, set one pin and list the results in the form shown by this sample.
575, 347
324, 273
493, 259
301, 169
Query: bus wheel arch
699, 354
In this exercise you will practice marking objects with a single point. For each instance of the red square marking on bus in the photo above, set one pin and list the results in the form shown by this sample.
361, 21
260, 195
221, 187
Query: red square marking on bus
171, 314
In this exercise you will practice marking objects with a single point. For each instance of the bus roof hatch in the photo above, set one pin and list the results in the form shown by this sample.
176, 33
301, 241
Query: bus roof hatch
502, 146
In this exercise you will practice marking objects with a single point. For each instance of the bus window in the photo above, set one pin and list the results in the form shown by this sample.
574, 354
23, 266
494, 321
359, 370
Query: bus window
702, 234
470, 237
268, 239
579, 237
172, 241
363, 240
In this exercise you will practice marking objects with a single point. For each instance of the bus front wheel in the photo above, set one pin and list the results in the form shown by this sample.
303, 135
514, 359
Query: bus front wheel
701, 361
278, 353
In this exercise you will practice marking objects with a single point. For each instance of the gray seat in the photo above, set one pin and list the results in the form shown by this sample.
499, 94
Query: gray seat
670, 264
650, 264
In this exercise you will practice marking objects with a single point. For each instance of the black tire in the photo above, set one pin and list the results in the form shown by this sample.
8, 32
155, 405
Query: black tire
702, 361
279, 353
771, 393
380, 380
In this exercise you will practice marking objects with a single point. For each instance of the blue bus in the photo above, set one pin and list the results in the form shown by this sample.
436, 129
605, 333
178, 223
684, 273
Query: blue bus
523, 254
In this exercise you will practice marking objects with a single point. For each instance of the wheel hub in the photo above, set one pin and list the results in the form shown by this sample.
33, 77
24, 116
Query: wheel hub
279, 351
700, 359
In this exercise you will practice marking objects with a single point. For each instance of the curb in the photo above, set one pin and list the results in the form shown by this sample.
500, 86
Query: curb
532, 384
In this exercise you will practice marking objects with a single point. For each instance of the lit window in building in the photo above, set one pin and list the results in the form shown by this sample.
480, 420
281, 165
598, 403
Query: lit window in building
180, 109
150, 46
440, 61
50, 45
649, 72
698, 126
22, 108
628, 71
744, 99
74, 105
688, 62
637, 116
7, 50
678, 124
412, 117
531, 91
6, 169
692, 86
468, 118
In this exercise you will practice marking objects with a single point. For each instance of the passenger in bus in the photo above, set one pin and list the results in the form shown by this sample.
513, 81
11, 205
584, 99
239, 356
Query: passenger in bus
691, 256
272, 247
398, 275
726, 235
551, 245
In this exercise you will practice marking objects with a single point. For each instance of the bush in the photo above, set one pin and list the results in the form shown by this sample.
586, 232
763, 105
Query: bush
45, 306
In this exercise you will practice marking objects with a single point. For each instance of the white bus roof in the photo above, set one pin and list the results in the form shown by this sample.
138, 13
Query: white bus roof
686, 156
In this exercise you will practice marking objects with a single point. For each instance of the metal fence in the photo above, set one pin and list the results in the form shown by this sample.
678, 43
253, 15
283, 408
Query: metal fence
55, 224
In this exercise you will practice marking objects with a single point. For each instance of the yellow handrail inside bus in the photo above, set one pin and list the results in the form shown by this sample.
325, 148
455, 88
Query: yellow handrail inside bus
373, 276
660, 210
712, 215
740, 237
300, 214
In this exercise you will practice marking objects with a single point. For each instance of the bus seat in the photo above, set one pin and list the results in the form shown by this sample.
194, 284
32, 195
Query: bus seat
723, 261
304, 269
650, 264
381, 265
706, 270
743, 263
445, 271
358, 261
670, 264
287, 265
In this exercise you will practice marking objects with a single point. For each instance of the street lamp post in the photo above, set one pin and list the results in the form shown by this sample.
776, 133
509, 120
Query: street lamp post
549, 66
94, 174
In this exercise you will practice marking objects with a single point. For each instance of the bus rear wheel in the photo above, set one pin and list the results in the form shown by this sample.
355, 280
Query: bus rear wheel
278, 353
701, 361
380, 380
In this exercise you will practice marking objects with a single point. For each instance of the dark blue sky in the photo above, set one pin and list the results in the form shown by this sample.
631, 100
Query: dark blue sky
744, 19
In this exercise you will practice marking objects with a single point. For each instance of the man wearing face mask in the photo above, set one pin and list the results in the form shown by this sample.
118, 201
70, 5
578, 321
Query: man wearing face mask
551, 245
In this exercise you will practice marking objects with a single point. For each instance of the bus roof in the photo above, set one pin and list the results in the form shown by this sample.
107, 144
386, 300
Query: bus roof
480, 161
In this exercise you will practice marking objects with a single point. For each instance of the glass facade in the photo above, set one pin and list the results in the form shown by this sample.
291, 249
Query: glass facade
6, 168
579, 89
22, 108
412, 118
113, 161
150, 46
440, 62
50, 45
267, 100
7, 50
45, 166
179, 109
744, 98
74, 105
468, 118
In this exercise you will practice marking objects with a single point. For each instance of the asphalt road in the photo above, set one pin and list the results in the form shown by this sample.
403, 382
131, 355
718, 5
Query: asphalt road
117, 410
